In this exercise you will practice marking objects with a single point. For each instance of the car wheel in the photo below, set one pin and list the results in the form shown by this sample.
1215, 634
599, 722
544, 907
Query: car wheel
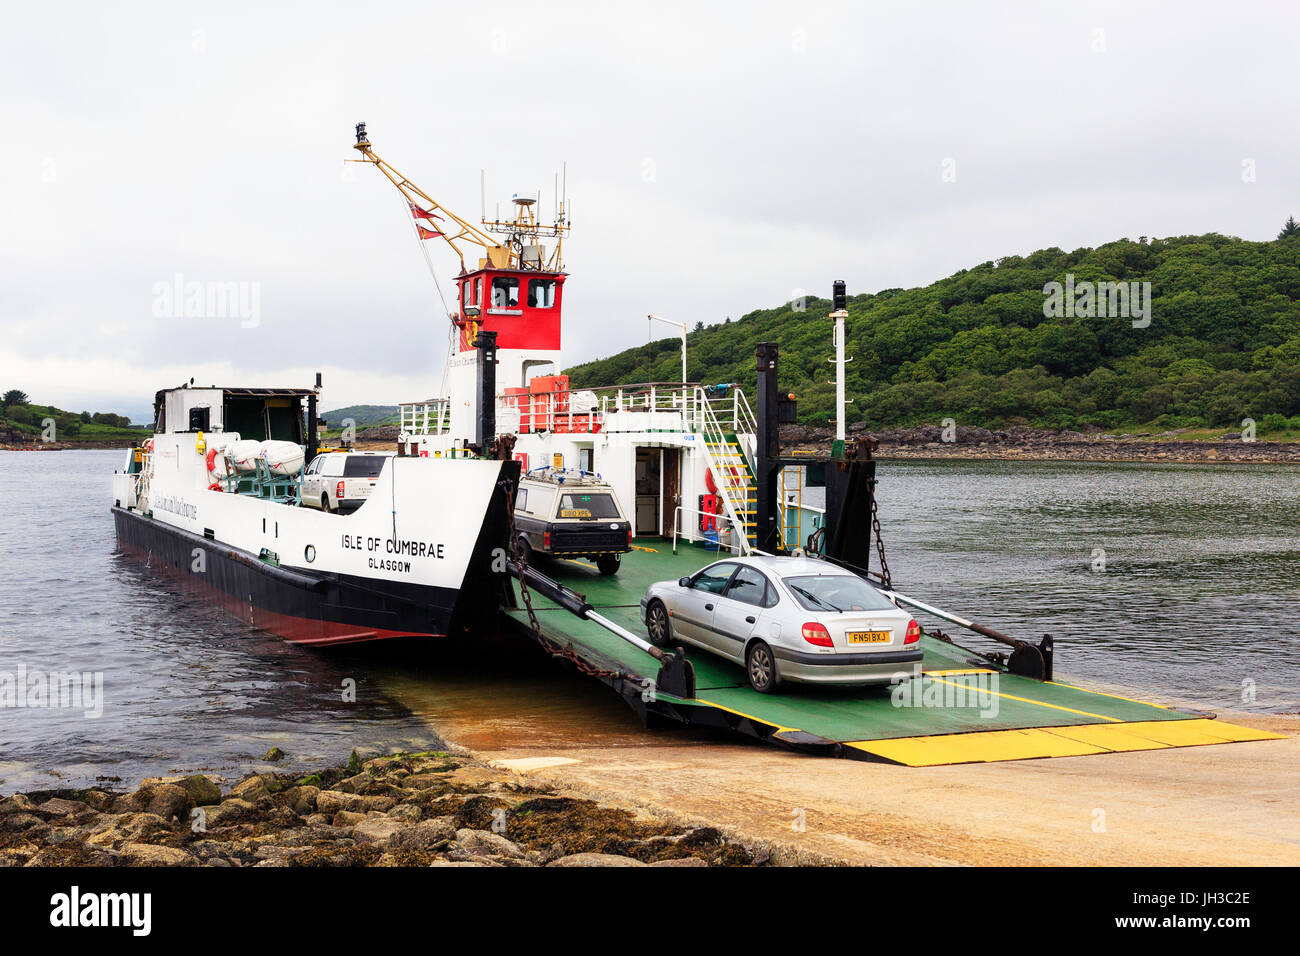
608, 563
325, 503
525, 549
658, 625
760, 665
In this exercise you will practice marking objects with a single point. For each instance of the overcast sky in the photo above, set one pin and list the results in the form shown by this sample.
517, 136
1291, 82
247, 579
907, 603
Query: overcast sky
720, 157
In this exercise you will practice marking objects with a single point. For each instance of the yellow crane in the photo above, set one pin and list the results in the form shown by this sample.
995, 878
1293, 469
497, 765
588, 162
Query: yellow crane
521, 249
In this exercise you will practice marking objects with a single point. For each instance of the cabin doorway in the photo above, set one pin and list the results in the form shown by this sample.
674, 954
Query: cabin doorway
658, 490
672, 493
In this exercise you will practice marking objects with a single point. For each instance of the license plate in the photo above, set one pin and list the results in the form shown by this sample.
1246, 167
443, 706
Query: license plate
575, 513
870, 637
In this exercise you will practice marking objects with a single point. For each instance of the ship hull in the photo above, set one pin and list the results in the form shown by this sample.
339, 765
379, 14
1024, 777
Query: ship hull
317, 608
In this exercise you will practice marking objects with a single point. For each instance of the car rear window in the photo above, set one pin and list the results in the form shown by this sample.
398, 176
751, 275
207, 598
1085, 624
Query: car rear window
364, 466
582, 504
836, 592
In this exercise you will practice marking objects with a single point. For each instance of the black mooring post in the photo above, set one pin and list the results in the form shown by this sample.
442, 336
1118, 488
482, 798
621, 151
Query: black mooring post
485, 423
313, 432
769, 450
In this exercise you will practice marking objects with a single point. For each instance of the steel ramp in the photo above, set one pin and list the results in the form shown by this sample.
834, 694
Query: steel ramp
962, 710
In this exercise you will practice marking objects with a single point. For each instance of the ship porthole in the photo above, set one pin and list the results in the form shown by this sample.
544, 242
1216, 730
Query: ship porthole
309, 553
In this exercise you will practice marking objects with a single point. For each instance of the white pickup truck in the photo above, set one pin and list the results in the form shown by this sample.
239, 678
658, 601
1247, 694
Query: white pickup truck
342, 480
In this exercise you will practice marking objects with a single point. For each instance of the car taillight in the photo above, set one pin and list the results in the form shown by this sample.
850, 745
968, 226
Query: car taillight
913, 633
815, 633
629, 537
338, 490
546, 540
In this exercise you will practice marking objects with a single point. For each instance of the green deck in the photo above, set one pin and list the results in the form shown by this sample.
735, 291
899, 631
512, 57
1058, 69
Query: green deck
804, 714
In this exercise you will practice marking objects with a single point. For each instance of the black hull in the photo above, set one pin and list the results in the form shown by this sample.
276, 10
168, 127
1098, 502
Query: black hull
322, 608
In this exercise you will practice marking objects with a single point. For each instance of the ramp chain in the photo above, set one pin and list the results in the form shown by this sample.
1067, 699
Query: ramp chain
554, 648
880, 544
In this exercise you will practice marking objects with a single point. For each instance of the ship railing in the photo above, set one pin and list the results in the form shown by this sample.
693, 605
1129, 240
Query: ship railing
581, 409
732, 483
429, 417
800, 518
739, 543
585, 409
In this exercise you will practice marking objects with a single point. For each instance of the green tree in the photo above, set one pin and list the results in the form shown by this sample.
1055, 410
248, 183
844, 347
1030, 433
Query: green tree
13, 397
1290, 228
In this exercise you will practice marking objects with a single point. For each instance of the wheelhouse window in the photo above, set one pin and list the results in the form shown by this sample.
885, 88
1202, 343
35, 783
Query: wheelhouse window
541, 293
505, 292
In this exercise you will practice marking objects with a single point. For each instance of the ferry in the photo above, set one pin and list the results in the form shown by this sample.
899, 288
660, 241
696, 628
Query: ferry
214, 497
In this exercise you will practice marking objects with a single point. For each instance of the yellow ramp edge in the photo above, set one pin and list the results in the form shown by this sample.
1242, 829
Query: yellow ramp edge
1073, 741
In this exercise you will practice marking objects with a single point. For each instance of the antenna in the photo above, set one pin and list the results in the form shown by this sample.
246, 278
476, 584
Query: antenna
482, 193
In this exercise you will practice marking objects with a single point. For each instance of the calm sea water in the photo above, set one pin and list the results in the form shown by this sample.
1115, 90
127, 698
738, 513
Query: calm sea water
1196, 603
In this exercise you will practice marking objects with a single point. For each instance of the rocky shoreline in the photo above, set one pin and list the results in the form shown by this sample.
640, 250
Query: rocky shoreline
426, 809
1034, 444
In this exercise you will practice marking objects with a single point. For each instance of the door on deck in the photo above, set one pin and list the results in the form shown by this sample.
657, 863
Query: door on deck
672, 494
648, 488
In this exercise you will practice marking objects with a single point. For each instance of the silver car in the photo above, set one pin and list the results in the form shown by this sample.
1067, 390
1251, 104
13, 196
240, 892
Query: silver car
795, 619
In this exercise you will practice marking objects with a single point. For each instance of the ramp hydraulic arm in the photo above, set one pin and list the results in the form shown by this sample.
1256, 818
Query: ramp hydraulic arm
676, 674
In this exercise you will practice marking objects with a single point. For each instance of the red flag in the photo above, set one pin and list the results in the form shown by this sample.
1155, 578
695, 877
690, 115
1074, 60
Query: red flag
428, 233
419, 213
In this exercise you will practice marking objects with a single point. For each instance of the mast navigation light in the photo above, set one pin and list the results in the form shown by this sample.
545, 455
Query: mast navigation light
840, 300
361, 134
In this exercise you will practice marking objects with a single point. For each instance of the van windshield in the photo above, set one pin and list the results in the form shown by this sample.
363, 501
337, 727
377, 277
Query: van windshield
364, 466
836, 592
583, 504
